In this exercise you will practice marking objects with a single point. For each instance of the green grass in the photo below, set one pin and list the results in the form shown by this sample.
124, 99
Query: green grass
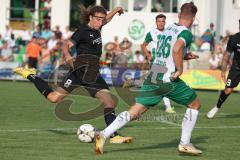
29, 129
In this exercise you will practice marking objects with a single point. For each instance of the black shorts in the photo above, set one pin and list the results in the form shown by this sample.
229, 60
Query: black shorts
78, 78
32, 62
233, 78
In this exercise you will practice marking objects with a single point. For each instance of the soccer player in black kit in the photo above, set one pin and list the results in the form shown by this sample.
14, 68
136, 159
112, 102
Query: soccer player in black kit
84, 67
233, 79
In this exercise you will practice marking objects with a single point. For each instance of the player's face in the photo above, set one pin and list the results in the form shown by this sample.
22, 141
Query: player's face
97, 20
161, 23
192, 20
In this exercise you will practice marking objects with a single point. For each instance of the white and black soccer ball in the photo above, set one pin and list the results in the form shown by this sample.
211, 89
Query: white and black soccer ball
86, 133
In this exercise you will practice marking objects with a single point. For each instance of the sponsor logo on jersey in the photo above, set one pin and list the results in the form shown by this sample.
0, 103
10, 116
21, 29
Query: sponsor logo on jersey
97, 41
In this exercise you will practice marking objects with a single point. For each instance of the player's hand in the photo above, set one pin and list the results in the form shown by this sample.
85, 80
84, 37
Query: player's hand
223, 77
149, 57
69, 62
190, 56
176, 75
119, 10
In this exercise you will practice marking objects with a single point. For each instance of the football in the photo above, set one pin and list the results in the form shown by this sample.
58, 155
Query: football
86, 133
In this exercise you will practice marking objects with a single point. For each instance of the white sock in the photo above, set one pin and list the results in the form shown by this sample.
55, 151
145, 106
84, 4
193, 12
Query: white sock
188, 124
121, 120
166, 102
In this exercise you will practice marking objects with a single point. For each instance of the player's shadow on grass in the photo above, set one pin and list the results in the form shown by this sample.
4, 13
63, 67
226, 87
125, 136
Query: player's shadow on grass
62, 132
172, 144
229, 116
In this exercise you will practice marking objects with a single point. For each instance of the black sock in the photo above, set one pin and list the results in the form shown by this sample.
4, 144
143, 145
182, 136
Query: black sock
40, 84
221, 99
109, 116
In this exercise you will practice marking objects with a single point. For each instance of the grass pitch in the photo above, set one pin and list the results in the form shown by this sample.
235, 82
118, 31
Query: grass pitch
30, 129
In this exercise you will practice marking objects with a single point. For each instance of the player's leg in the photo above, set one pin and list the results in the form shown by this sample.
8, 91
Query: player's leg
143, 101
57, 95
232, 82
185, 95
39, 83
121, 120
188, 124
221, 99
110, 102
167, 105
42, 86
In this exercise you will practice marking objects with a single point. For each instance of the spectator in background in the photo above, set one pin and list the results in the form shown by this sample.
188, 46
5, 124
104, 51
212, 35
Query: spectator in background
117, 45
58, 33
158, 6
12, 41
46, 13
6, 53
26, 36
7, 33
139, 5
108, 58
56, 55
138, 60
138, 57
214, 62
126, 46
33, 51
38, 31
209, 36
120, 60
48, 5
216, 57
45, 59
67, 33
47, 33
225, 39
52, 42
126, 49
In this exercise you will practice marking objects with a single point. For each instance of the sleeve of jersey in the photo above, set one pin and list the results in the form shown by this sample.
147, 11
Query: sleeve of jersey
186, 36
230, 46
148, 38
76, 36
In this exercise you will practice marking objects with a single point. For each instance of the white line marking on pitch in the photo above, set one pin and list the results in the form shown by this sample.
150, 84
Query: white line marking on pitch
134, 128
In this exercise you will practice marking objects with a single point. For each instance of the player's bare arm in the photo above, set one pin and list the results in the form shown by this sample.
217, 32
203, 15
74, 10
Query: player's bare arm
225, 62
67, 45
145, 50
178, 58
110, 15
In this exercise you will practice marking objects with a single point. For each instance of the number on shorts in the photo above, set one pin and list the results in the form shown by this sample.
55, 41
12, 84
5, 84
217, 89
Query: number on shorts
229, 82
68, 83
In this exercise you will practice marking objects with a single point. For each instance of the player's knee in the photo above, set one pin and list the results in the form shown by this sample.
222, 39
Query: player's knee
109, 104
196, 104
53, 99
134, 115
136, 111
228, 91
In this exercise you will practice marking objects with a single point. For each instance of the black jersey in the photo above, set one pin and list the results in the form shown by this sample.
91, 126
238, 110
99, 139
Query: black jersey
87, 41
234, 46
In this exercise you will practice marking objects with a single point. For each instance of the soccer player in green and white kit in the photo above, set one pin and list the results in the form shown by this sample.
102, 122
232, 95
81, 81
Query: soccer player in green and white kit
153, 38
170, 57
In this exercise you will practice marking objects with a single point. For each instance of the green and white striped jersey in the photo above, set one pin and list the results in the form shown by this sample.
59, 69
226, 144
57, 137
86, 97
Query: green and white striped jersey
164, 52
153, 38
